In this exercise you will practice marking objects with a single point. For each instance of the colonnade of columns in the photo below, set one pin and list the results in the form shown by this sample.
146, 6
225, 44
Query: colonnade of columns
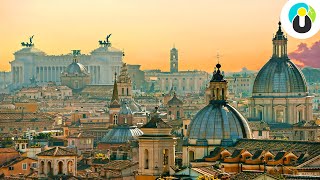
53, 73
17, 74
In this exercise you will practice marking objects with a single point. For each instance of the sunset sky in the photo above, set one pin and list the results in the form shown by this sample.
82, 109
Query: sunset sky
147, 29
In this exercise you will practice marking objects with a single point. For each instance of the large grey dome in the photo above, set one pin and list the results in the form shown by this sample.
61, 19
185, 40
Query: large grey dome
121, 134
218, 124
279, 75
76, 68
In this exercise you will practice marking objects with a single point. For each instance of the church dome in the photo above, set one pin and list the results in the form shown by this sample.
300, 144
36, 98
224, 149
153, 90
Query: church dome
121, 134
280, 76
76, 68
218, 124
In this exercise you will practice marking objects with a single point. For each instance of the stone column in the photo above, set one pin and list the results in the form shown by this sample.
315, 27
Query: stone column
20, 74
99, 75
13, 75
47, 79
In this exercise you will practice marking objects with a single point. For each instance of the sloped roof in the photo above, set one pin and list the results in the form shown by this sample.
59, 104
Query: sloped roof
249, 175
120, 164
175, 100
156, 121
57, 151
15, 160
7, 150
311, 148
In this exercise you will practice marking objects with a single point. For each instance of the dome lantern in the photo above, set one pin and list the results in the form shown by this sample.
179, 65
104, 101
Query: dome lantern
280, 44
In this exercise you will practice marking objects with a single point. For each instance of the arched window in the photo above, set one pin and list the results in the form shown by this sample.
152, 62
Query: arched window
165, 157
60, 167
49, 168
178, 114
42, 167
115, 119
146, 159
70, 171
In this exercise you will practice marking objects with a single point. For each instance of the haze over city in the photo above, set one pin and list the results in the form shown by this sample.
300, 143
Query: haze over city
159, 90
146, 30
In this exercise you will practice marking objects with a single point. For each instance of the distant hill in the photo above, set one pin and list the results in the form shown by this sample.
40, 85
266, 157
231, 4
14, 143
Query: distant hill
312, 75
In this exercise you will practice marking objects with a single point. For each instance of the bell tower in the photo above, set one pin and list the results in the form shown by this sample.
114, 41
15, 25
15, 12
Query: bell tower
114, 107
156, 148
174, 60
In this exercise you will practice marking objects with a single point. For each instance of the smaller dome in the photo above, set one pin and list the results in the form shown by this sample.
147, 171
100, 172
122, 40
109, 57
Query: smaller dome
121, 134
76, 68
175, 101
125, 109
218, 124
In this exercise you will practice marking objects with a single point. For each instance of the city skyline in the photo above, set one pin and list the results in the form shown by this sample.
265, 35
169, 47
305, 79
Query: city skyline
194, 30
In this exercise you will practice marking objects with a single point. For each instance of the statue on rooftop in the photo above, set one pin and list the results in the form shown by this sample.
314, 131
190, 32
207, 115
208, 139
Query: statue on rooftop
107, 38
105, 43
28, 44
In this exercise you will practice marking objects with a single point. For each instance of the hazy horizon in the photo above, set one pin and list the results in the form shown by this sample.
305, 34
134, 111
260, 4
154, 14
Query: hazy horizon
240, 30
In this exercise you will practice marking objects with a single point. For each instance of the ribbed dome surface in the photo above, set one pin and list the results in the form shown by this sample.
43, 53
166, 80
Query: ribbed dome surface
218, 122
121, 134
76, 68
280, 75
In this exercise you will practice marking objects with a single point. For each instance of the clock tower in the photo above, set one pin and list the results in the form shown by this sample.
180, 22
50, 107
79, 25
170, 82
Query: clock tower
174, 60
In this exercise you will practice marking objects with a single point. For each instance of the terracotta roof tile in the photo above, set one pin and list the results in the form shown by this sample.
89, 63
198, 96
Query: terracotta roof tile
57, 151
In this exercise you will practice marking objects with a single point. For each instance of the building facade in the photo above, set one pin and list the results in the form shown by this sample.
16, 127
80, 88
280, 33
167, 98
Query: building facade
30, 62
181, 82
75, 76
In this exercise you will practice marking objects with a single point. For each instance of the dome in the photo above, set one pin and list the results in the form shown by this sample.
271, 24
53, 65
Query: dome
279, 76
76, 68
218, 124
121, 134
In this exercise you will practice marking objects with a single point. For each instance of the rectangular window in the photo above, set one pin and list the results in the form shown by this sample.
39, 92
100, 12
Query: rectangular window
24, 166
11, 168
260, 133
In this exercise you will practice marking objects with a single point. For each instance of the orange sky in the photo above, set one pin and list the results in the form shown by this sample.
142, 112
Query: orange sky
147, 29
